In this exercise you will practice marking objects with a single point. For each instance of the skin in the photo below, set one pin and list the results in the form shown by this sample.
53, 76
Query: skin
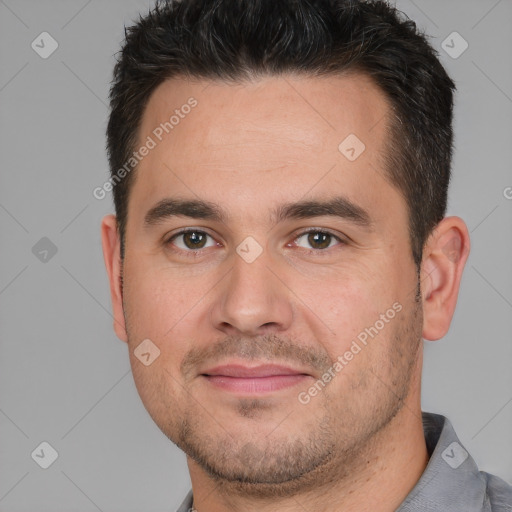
358, 444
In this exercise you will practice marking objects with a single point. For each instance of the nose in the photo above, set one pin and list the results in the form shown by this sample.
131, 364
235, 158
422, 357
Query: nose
253, 299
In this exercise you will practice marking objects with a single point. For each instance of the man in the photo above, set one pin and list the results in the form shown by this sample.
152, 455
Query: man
280, 249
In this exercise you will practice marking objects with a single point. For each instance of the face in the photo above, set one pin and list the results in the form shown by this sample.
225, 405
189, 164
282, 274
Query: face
272, 269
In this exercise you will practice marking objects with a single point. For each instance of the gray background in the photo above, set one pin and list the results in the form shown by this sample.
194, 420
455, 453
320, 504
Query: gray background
65, 377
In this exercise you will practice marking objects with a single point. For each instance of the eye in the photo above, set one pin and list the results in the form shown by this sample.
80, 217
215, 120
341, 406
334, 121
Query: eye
317, 239
191, 240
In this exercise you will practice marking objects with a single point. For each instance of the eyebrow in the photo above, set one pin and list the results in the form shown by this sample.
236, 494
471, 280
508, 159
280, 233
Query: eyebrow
339, 206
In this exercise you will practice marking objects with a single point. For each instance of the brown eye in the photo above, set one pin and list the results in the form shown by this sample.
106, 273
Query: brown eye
191, 240
194, 240
317, 240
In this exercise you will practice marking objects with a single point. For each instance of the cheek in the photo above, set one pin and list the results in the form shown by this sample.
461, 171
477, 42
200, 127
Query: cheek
157, 303
345, 306
157, 390
158, 310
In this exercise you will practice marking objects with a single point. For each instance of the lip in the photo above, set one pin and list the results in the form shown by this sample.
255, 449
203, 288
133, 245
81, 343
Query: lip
254, 380
261, 371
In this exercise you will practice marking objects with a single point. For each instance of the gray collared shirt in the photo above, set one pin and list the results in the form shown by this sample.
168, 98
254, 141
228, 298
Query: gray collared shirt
451, 481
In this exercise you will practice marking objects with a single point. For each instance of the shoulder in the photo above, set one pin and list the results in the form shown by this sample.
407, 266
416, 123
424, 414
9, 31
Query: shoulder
499, 493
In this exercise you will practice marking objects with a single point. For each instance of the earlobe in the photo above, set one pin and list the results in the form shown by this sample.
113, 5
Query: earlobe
111, 254
444, 257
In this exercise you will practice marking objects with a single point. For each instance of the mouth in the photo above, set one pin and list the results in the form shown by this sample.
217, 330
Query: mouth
255, 380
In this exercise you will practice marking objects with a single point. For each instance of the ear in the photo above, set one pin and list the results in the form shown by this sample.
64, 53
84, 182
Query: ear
444, 256
111, 242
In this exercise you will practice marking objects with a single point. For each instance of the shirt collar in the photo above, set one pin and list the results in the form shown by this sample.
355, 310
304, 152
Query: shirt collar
451, 480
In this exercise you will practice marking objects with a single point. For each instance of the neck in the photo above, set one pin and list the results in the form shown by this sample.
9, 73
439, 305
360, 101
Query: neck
379, 478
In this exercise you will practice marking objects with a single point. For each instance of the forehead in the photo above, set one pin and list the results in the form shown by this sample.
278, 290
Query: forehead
271, 139
304, 111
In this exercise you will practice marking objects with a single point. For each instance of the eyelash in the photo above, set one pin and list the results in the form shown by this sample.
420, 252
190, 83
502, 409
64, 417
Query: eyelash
195, 253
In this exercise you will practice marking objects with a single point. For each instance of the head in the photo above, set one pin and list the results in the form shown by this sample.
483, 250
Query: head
306, 148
